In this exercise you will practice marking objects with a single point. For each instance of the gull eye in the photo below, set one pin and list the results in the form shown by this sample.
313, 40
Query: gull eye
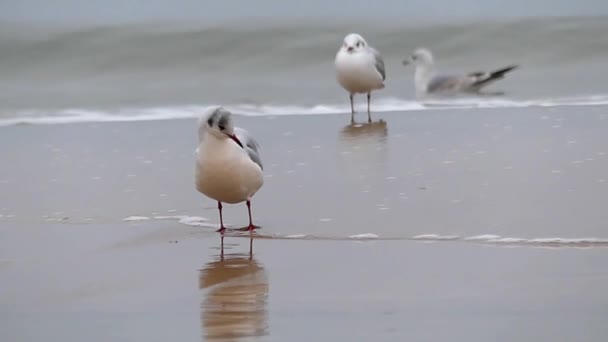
358, 44
223, 123
210, 122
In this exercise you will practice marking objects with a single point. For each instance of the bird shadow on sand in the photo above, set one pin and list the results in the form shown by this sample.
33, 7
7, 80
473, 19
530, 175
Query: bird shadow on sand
234, 304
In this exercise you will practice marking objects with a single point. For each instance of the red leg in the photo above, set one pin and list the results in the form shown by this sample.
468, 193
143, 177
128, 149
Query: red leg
222, 228
251, 227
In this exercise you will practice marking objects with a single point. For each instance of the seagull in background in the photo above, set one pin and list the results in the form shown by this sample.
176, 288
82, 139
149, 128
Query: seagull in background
228, 165
360, 69
427, 81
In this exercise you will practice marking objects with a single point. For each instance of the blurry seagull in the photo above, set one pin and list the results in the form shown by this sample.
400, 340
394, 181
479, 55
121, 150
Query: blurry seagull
360, 69
228, 164
427, 81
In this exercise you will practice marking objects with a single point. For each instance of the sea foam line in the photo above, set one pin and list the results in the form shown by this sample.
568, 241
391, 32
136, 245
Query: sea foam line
67, 116
487, 239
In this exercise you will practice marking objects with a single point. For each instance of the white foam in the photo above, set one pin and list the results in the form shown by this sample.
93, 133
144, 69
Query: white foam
193, 221
435, 237
136, 218
364, 236
82, 115
482, 237
40, 117
296, 236
170, 217
507, 240
538, 241
197, 221
568, 241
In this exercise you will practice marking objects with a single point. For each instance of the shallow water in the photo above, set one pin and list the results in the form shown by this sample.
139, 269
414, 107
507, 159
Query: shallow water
515, 173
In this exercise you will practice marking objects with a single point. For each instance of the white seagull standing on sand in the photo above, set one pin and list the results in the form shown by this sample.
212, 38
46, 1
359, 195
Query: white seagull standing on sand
427, 81
360, 69
228, 164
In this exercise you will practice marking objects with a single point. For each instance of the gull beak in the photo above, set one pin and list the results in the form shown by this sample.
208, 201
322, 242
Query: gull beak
405, 62
349, 49
236, 140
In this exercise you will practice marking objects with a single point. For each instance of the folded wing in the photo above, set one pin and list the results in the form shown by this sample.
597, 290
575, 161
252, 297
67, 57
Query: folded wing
250, 145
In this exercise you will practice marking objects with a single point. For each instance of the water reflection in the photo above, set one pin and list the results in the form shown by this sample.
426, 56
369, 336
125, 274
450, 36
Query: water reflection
373, 131
234, 306
363, 150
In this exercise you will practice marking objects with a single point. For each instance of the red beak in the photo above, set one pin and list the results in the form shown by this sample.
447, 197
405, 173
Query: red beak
349, 49
236, 140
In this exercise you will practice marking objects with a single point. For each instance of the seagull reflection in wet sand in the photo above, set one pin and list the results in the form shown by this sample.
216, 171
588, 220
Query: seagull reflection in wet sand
376, 129
234, 306
363, 152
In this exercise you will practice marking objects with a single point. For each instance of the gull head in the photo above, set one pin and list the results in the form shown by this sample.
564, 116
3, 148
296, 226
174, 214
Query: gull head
353, 43
421, 56
217, 121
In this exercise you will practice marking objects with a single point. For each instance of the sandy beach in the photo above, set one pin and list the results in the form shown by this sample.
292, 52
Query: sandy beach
457, 218
134, 283
473, 224
459, 173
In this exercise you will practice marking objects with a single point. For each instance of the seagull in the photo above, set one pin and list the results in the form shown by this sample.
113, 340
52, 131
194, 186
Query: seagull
228, 165
359, 69
427, 81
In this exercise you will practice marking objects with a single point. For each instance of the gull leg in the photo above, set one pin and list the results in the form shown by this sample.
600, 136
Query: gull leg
222, 228
352, 110
251, 226
369, 117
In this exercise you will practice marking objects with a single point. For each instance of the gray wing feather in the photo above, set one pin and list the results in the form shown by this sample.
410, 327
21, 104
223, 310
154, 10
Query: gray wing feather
254, 157
379, 62
443, 83
250, 145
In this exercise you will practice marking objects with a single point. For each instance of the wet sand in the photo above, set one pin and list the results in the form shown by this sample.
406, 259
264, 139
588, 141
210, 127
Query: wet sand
423, 226
134, 282
514, 172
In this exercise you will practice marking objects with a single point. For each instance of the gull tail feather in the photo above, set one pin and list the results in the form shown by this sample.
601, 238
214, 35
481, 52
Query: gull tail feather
501, 72
494, 75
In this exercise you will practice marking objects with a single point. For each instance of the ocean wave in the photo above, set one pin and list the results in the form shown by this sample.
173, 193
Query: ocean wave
157, 64
196, 45
33, 117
